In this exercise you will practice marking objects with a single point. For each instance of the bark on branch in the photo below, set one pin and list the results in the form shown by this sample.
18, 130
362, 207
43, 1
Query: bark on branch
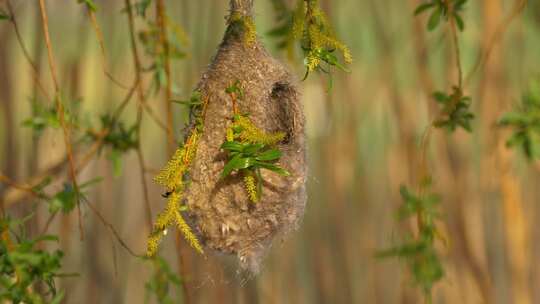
243, 7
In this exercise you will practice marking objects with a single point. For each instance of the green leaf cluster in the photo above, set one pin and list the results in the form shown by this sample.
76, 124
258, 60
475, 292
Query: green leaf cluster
46, 116
66, 199
161, 282
248, 157
419, 251
23, 268
442, 10
309, 25
317, 38
455, 110
118, 138
525, 123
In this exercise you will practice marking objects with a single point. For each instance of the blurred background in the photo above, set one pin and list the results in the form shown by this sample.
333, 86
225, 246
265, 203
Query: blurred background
364, 142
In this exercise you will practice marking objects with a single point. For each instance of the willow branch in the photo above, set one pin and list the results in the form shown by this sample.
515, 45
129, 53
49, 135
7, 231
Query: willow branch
142, 101
99, 35
164, 41
16, 195
28, 58
60, 110
483, 57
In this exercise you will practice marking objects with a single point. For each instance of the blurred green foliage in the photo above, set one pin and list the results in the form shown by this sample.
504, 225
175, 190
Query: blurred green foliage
118, 138
455, 110
66, 199
419, 251
27, 273
443, 9
525, 123
161, 283
46, 116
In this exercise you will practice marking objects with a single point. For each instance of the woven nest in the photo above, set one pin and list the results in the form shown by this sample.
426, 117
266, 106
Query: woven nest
220, 211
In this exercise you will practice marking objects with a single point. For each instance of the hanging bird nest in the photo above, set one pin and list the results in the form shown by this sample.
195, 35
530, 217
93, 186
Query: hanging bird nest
248, 101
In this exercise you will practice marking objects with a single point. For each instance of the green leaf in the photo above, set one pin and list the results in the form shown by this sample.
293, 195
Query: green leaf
58, 298
423, 7
459, 5
434, 19
48, 238
459, 22
232, 146
440, 97
4, 16
236, 163
273, 168
116, 159
269, 155
251, 149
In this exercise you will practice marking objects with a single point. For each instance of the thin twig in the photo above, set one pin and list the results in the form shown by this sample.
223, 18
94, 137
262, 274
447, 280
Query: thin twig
483, 57
112, 229
33, 192
28, 58
141, 96
164, 41
57, 167
60, 110
99, 35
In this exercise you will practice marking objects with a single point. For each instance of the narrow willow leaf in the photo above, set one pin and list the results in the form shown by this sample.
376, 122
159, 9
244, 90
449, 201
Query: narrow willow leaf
459, 22
434, 19
423, 7
269, 155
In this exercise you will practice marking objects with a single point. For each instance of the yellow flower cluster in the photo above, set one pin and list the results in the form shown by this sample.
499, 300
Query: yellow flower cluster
251, 134
311, 25
251, 187
172, 178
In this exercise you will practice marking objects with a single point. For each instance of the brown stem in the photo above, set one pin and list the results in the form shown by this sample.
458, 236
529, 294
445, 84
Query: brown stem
141, 97
35, 71
99, 35
164, 41
15, 195
455, 43
60, 110
482, 59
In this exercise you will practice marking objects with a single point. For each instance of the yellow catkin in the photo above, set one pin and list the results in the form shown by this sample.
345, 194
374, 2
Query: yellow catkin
152, 244
318, 34
170, 216
171, 177
230, 134
299, 20
250, 133
251, 187
188, 234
